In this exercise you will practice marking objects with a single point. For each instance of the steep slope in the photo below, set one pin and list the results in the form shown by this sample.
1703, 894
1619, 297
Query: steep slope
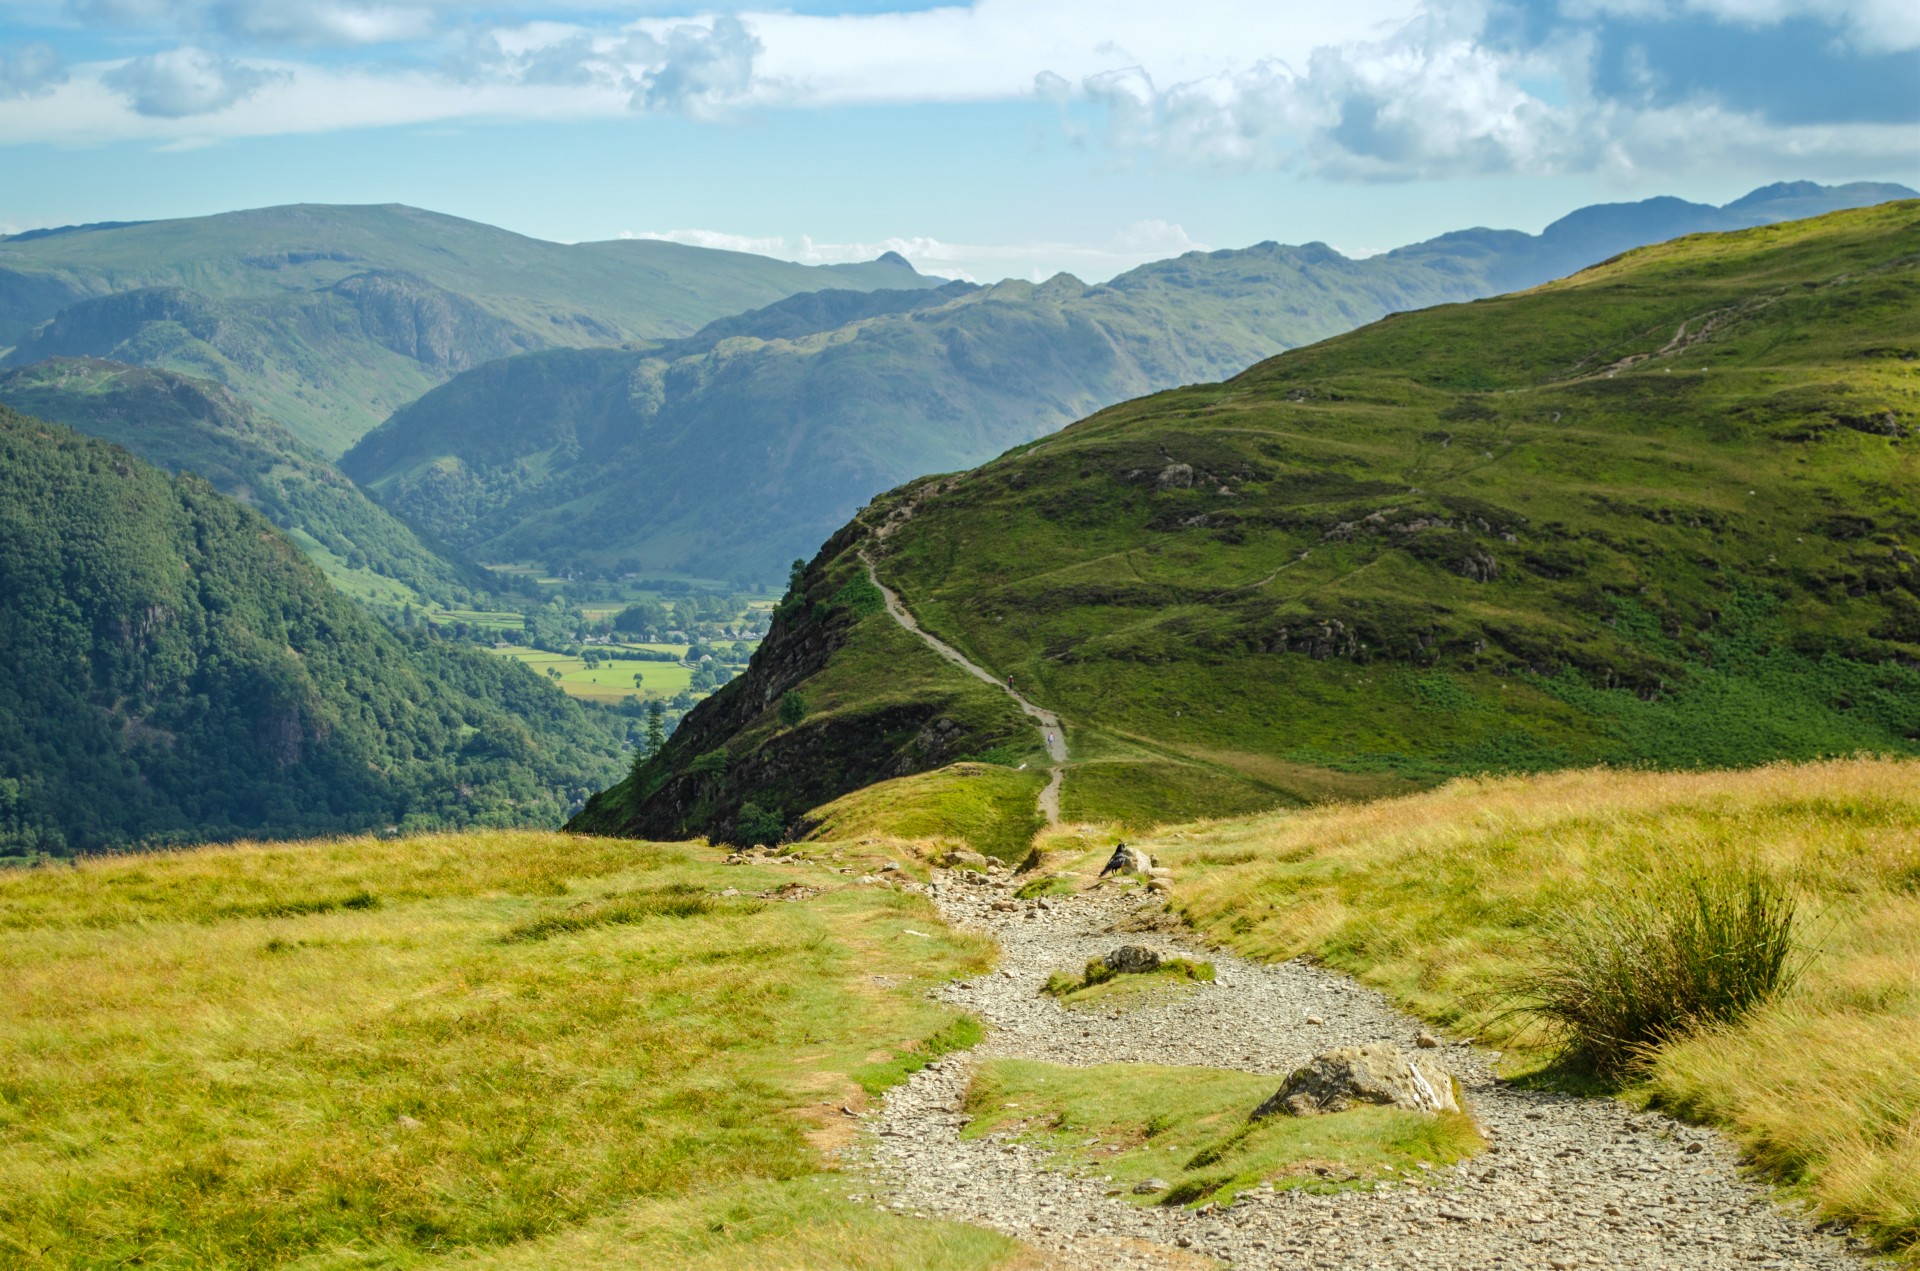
180, 424
330, 318
733, 452
177, 671
1660, 513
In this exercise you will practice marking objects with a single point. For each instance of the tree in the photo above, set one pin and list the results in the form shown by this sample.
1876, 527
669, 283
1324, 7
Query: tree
638, 679
793, 709
656, 727
759, 826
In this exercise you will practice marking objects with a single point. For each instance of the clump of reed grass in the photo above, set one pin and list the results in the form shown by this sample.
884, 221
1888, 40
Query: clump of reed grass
1656, 962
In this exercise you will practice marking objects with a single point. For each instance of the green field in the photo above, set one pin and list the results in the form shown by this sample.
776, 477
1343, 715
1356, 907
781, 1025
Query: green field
609, 681
500, 1049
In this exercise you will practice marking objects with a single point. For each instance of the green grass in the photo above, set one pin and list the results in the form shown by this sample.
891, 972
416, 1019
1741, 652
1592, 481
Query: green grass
1188, 1127
609, 681
483, 1049
1099, 988
1446, 899
986, 807
1457, 542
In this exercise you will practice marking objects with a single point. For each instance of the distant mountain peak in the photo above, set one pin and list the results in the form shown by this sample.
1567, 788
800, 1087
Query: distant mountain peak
893, 258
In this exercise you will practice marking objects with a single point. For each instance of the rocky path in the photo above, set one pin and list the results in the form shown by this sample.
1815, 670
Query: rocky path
1565, 1182
1051, 733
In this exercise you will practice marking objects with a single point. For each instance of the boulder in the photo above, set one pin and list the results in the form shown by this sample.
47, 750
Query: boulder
1381, 1074
963, 858
1131, 959
1127, 860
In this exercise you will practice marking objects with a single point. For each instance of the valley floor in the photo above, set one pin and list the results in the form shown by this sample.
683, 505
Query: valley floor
1563, 1181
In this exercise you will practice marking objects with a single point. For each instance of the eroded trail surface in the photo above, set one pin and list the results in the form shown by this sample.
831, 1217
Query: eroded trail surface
1566, 1182
1054, 737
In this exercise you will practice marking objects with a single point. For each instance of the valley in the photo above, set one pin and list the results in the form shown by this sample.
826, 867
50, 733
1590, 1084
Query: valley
1527, 533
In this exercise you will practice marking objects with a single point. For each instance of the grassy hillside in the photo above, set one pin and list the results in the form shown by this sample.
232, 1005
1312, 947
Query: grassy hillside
489, 1050
1443, 897
330, 318
183, 424
1659, 513
744, 447
176, 670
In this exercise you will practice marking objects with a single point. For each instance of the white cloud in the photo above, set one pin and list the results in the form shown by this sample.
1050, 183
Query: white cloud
30, 70
700, 69
1136, 244
184, 81
1370, 89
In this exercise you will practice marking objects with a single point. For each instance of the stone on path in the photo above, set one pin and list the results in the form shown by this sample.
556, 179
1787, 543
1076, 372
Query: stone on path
1381, 1074
1131, 959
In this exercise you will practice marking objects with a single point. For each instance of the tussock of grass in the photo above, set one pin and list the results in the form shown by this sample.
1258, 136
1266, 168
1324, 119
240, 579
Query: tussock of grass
1661, 961
1189, 1128
1101, 985
379, 1085
1441, 897
676, 900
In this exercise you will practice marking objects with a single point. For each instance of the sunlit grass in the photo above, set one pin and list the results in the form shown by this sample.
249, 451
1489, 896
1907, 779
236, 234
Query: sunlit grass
1188, 1128
1440, 897
371, 1052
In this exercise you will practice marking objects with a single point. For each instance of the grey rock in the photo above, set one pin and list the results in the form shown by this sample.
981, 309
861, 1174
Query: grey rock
1127, 860
1149, 1186
1131, 959
1352, 1075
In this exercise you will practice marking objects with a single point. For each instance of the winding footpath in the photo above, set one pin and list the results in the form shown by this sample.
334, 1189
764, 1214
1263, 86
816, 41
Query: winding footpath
1054, 737
1565, 1182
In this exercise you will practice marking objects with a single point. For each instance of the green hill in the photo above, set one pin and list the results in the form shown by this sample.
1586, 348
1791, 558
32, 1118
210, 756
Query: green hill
180, 423
330, 318
733, 452
1660, 513
177, 671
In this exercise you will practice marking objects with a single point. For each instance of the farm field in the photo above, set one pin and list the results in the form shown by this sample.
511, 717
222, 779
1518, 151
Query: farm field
609, 681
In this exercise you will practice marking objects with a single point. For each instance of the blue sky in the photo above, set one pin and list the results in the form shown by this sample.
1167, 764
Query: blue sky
1005, 137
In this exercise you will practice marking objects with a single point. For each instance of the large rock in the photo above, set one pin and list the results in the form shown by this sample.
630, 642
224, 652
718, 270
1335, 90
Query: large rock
1127, 860
1380, 1074
1131, 959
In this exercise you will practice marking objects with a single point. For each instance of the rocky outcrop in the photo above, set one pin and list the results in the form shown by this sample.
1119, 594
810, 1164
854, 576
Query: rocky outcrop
1381, 1074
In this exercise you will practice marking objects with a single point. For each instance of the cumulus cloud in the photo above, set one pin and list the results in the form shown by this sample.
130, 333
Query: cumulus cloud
699, 69
185, 81
30, 70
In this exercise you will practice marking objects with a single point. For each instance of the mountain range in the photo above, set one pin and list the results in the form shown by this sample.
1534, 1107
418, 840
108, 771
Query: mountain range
185, 424
1657, 514
732, 452
330, 318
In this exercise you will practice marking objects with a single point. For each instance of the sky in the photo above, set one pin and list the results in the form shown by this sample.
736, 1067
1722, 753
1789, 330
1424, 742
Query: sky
999, 138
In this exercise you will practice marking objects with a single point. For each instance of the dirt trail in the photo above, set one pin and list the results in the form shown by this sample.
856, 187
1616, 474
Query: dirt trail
1565, 1183
1054, 736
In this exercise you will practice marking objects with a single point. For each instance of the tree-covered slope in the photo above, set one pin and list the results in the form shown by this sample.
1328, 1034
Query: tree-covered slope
330, 318
176, 670
732, 452
1661, 513
185, 424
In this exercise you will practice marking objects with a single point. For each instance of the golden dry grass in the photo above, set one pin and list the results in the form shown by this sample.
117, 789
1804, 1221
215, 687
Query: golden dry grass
374, 1053
1441, 896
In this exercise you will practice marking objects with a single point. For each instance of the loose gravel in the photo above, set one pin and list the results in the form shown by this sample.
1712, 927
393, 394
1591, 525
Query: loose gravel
1566, 1182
